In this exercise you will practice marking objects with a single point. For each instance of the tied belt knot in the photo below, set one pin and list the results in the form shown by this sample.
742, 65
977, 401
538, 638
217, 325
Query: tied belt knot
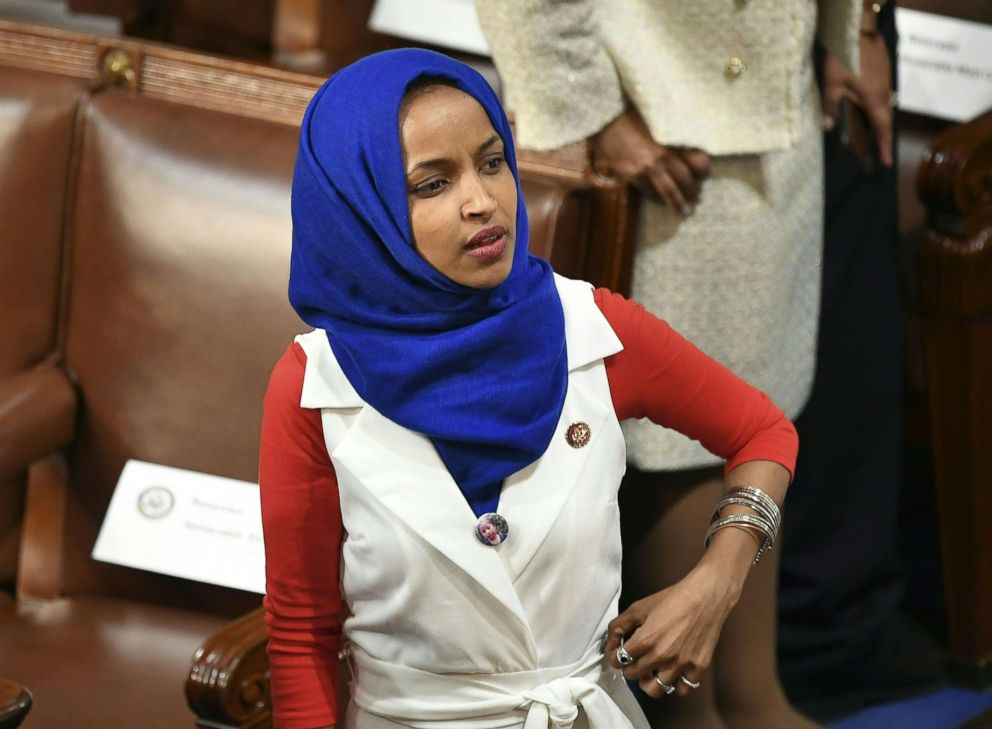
556, 703
548, 698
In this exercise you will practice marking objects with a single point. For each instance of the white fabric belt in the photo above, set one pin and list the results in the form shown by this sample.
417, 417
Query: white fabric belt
551, 697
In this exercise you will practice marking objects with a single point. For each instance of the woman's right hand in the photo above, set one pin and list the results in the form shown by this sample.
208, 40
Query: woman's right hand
673, 633
626, 148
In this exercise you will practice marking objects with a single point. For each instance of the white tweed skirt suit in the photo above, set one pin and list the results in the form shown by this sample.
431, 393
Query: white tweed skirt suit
740, 276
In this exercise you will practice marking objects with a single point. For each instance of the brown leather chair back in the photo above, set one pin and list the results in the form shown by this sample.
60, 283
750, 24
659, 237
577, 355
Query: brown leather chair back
177, 309
37, 113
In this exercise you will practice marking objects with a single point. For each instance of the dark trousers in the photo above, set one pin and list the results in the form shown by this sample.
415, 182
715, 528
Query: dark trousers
841, 578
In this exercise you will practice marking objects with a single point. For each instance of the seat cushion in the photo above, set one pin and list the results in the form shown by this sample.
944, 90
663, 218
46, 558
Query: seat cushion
100, 663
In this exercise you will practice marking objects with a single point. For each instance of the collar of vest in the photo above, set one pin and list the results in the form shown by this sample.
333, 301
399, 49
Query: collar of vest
588, 338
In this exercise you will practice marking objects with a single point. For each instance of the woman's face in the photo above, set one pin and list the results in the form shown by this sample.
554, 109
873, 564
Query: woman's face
463, 197
489, 533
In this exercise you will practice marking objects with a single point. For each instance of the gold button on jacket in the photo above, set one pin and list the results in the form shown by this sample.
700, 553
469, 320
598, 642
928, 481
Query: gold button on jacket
736, 66
568, 68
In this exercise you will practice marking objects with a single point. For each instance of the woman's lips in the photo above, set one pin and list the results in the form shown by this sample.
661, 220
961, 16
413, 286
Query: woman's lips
488, 251
487, 244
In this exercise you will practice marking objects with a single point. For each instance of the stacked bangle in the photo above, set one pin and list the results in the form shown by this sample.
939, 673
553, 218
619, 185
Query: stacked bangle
766, 519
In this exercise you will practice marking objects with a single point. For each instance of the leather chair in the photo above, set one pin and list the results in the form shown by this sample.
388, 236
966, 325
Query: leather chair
167, 315
175, 310
37, 114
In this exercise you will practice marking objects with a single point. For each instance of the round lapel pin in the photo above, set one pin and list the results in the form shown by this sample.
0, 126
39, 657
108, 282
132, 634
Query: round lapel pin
578, 435
492, 529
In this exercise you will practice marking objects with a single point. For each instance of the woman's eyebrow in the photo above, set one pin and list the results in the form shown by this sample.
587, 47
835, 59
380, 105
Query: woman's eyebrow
437, 162
440, 161
488, 143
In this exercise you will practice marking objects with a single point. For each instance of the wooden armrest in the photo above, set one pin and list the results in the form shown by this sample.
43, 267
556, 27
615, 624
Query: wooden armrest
955, 261
37, 416
956, 177
228, 685
15, 703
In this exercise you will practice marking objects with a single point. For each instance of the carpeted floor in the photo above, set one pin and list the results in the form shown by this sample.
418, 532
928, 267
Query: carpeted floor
947, 708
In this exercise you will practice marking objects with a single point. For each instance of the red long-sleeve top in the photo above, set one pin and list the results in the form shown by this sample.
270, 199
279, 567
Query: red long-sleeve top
658, 375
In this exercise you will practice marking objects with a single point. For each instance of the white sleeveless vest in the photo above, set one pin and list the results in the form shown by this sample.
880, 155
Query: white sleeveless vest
446, 631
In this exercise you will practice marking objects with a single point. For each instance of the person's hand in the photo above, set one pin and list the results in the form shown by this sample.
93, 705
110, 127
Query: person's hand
871, 91
626, 148
673, 633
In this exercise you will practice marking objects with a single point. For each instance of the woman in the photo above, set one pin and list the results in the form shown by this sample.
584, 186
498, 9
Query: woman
454, 379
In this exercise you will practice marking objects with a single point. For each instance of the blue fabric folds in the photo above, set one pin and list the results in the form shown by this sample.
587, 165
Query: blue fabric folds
481, 372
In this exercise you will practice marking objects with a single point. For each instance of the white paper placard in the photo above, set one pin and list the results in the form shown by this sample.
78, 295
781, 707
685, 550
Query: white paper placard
448, 23
186, 524
945, 65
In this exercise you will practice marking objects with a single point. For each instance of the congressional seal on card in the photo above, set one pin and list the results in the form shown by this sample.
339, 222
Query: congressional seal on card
156, 502
186, 524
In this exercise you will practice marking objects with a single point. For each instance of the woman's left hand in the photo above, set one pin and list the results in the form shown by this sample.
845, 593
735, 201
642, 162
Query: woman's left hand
871, 91
673, 633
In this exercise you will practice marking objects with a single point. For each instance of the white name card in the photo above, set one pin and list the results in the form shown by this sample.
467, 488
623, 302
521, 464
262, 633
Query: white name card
945, 65
448, 23
185, 524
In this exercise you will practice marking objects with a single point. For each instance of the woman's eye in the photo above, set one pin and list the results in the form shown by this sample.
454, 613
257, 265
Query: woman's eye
430, 187
493, 164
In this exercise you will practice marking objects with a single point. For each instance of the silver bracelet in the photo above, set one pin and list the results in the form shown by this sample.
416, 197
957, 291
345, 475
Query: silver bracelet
743, 521
762, 500
759, 496
756, 494
746, 521
766, 520
773, 517
742, 501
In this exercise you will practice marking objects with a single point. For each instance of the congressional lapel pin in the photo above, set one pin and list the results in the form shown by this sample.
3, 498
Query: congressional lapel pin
578, 435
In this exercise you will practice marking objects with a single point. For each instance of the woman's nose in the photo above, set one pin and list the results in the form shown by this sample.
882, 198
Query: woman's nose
479, 202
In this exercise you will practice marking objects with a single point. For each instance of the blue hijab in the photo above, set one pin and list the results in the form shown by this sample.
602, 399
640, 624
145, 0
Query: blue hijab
481, 372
